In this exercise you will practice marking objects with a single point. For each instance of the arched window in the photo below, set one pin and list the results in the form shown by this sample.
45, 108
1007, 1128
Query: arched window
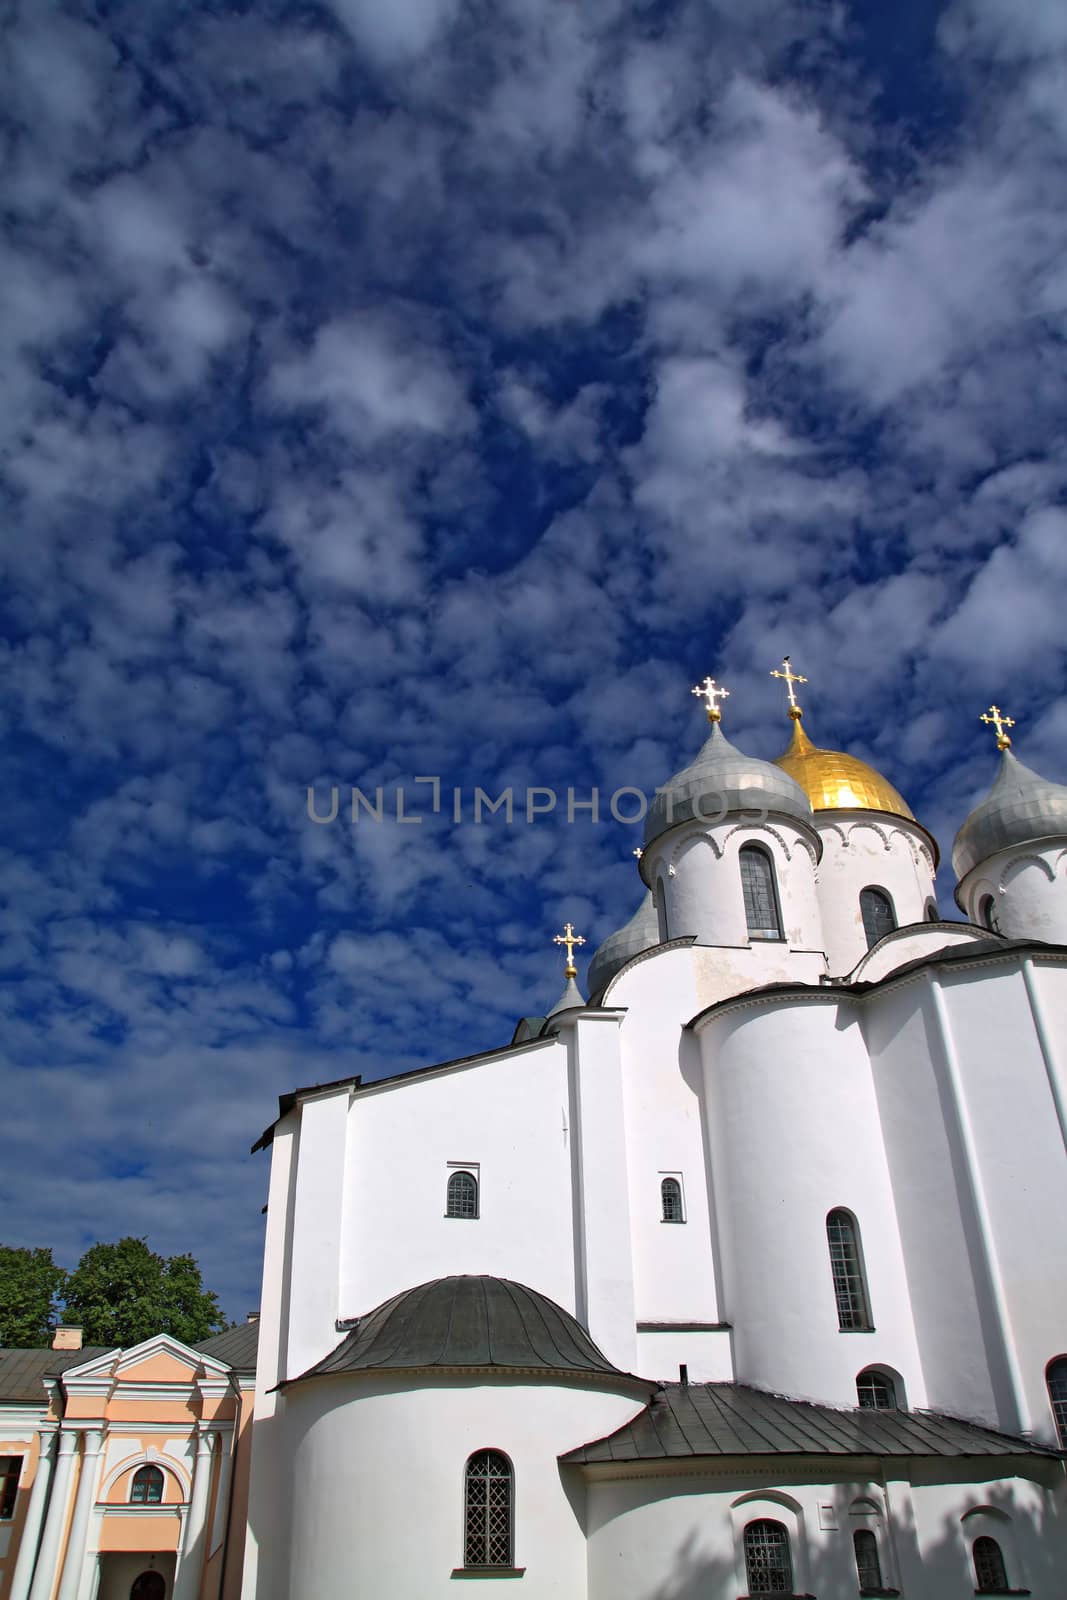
661, 911
868, 1564
875, 1391
462, 1195
487, 1529
147, 1487
671, 1195
1056, 1378
149, 1586
932, 913
876, 909
850, 1291
987, 913
761, 896
767, 1563
990, 1575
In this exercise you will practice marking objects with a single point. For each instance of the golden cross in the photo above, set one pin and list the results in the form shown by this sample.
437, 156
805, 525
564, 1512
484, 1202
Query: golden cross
570, 939
711, 694
790, 678
995, 716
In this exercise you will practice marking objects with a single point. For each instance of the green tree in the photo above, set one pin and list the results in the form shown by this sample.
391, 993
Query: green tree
123, 1293
30, 1283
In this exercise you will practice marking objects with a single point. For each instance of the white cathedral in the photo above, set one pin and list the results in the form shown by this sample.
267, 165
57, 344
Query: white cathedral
746, 1276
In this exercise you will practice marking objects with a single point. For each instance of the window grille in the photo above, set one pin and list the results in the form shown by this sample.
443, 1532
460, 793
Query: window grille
990, 1575
876, 909
767, 1562
671, 1194
868, 1565
462, 1195
1056, 1378
10, 1472
875, 1391
987, 913
487, 1522
850, 1291
761, 899
147, 1487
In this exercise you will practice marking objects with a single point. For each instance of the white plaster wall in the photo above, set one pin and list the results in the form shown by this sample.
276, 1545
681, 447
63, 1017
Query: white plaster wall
703, 892
510, 1114
316, 1230
864, 852
707, 1355
377, 1476
1029, 886
794, 1128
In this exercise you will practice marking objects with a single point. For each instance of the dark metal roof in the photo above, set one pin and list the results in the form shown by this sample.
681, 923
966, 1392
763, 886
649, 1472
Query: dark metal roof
730, 1419
468, 1322
237, 1346
22, 1372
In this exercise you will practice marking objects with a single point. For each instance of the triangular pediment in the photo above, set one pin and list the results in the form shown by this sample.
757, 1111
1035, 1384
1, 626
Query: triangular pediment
161, 1359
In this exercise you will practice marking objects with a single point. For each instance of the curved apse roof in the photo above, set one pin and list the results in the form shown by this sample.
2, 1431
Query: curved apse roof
475, 1321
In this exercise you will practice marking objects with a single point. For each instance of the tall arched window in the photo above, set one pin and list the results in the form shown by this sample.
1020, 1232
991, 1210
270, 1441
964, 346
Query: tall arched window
147, 1487
767, 1562
876, 909
990, 1574
868, 1564
487, 1528
661, 911
1056, 1378
761, 896
846, 1265
875, 1391
462, 1195
671, 1197
149, 1586
987, 913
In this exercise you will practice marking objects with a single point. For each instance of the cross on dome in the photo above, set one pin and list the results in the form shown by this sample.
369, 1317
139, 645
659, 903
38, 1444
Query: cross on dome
711, 693
570, 939
997, 719
790, 677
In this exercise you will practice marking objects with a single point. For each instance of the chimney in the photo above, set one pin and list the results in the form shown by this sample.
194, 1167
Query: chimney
67, 1339
683, 1374
253, 1316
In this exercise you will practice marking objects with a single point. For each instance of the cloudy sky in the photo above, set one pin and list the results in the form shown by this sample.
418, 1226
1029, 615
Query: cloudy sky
437, 388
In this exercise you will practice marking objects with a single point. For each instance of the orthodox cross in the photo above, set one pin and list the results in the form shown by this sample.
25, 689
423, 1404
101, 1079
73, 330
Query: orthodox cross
995, 716
790, 677
711, 694
570, 939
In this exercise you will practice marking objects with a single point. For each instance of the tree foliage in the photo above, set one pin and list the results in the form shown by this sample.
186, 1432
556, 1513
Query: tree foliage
123, 1293
30, 1284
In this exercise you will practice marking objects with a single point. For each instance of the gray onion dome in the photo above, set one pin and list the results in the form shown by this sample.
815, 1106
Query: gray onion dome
640, 933
1021, 808
720, 782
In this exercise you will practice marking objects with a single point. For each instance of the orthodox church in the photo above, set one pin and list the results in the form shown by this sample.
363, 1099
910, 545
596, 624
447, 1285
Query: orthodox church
745, 1276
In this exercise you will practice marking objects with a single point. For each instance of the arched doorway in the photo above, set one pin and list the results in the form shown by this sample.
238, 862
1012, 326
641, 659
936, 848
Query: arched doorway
149, 1586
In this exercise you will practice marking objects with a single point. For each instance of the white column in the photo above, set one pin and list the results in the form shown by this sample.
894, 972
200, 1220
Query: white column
191, 1561
92, 1440
31, 1528
45, 1575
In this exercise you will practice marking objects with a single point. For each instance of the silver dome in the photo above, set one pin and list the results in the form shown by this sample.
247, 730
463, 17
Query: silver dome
1021, 808
720, 782
640, 933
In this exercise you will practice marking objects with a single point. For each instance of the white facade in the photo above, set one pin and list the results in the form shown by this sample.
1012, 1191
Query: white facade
923, 1099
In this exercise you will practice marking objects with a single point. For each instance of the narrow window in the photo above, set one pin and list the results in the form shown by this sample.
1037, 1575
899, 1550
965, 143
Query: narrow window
147, 1487
868, 1566
1056, 1378
661, 911
487, 1533
671, 1195
761, 898
875, 1391
987, 913
876, 909
10, 1471
850, 1291
149, 1586
767, 1562
990, 1576
932, 913
462, 1195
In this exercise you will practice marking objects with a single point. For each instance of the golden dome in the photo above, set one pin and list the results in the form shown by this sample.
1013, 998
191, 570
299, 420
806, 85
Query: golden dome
834, 781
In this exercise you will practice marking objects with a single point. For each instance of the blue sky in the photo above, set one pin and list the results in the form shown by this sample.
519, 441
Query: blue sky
441, 389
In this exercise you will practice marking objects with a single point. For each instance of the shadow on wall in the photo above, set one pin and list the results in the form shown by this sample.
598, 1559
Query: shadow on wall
1032, 1542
